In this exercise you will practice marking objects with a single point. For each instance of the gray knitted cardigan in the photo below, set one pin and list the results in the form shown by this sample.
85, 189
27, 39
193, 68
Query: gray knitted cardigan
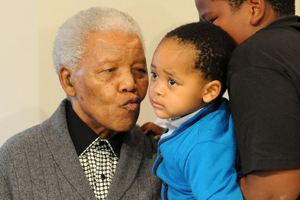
41, 163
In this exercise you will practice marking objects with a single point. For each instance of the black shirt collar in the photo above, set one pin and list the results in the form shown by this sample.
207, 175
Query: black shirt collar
292, 21
82, 135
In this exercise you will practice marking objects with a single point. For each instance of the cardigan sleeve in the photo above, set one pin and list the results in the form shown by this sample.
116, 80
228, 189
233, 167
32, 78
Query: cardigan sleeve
4, 188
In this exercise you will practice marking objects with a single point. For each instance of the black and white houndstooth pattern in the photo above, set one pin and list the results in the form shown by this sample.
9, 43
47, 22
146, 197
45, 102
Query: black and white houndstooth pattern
99, 163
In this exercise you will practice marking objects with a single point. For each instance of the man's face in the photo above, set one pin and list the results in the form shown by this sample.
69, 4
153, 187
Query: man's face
110, 81
235, 22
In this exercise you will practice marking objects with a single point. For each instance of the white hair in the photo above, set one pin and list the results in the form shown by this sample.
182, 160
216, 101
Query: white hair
69, 44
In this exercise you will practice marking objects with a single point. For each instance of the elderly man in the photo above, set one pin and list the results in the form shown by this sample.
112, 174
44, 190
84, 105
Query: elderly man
90, 148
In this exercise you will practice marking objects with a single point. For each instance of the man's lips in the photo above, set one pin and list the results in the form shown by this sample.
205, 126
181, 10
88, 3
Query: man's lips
132, 103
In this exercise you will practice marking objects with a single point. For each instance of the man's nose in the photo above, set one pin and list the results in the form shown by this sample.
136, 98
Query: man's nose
127, 82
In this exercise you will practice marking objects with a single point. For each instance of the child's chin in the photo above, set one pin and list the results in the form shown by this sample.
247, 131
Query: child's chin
161, 115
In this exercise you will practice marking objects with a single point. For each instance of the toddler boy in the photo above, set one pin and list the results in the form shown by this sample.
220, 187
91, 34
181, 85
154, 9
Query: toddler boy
196, 154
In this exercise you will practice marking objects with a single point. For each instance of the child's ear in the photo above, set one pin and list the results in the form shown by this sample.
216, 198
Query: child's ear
258, 10
65, 77
212, 90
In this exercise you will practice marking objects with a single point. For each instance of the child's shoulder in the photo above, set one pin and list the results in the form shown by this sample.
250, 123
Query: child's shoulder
215, 126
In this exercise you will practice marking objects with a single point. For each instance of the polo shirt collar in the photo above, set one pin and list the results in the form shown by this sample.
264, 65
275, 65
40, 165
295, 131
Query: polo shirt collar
174, 123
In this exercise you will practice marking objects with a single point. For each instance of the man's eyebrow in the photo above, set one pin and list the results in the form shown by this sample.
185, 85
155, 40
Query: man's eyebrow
106, 60
109, 59
140, 60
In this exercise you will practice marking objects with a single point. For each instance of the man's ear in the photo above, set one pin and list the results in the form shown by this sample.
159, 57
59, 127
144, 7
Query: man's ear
212, 90
258, 8
65, 78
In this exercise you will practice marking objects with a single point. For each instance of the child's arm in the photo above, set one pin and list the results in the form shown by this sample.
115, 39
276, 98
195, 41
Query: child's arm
157, 130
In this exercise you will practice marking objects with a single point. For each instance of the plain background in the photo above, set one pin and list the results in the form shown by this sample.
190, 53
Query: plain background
29, 87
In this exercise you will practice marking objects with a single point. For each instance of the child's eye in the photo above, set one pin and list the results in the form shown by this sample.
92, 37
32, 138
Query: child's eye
154, 75
211, 21
172, 82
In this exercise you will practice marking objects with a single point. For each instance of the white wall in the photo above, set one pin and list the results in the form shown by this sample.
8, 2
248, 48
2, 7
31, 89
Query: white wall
19, 77
29, 87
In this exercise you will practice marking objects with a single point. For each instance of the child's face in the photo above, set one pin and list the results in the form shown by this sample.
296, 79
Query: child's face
235, 23
176, 88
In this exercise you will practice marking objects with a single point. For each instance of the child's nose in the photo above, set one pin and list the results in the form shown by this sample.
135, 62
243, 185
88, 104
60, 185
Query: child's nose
158, 88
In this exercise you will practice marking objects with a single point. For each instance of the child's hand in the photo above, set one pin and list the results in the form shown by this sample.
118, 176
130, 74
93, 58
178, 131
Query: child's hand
157, 130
